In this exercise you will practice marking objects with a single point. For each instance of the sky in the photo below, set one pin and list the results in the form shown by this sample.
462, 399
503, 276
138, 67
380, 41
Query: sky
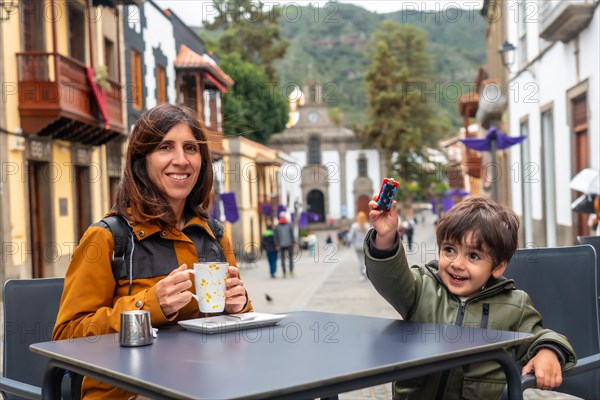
193, 12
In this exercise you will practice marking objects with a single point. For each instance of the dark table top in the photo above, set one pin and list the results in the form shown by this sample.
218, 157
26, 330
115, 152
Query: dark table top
307, 350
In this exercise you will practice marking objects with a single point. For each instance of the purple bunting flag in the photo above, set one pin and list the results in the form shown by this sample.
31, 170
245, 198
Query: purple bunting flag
230, 207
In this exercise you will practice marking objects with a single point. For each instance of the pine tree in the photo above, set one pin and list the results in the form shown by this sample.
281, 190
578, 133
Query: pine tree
402, 112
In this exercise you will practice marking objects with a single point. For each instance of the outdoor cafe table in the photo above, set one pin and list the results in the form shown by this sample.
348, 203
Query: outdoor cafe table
308, 355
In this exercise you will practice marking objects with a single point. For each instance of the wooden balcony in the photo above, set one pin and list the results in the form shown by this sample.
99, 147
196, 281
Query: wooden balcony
56, 100
215, 143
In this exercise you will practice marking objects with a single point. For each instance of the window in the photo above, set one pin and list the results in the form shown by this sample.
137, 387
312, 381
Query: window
579, 126
209, 107
161, 85
362, 165
548, 177
32, 27
136, 80
525, 177
522, 17
110, 59
77, 31
188, 91
314, 150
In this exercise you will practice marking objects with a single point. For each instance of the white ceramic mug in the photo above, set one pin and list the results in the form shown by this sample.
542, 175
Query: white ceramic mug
209, 279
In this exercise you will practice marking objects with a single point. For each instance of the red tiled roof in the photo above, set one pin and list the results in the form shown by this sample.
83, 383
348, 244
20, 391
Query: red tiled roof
188, 59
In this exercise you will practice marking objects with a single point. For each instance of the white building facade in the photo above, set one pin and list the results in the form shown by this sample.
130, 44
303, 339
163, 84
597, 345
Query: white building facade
554, 91
333, 177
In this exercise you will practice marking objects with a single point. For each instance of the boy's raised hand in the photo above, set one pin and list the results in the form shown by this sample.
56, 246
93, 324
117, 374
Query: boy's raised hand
546, 368
385, 223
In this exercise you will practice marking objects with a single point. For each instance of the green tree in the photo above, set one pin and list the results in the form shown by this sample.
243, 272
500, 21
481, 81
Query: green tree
251, 30
401, 119
254, 107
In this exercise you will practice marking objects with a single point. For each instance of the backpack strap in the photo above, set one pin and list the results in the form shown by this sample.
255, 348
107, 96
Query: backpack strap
217, 228
120, 231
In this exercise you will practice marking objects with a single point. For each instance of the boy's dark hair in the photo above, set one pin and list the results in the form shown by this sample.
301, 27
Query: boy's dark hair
494, 227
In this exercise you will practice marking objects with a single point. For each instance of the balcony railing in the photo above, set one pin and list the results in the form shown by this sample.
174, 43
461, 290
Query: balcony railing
54, 95
562, 20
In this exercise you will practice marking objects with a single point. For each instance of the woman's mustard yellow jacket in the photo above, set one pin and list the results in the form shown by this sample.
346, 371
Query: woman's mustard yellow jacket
92, 301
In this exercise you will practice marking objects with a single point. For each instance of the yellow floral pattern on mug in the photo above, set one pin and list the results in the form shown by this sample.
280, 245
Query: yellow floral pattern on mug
215, 282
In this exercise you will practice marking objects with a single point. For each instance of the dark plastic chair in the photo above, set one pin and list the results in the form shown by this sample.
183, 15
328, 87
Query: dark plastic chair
30, 310
563, 284
594, 241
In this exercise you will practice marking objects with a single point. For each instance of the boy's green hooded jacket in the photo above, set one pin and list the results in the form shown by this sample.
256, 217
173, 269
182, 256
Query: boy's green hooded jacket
419, 295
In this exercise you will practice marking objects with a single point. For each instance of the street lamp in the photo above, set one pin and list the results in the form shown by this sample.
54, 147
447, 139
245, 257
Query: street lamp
8, 7
507, 51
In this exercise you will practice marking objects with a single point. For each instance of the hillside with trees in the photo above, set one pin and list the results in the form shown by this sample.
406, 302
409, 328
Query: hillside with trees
332, 44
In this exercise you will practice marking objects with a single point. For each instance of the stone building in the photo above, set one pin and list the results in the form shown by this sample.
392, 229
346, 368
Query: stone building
334, 175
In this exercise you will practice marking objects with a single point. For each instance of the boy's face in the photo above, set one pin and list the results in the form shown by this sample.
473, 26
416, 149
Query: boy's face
465, 269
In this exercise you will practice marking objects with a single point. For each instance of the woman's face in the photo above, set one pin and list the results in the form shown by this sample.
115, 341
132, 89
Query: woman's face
175, 164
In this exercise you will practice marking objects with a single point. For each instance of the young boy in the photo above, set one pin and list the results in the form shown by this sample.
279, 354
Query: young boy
476, 240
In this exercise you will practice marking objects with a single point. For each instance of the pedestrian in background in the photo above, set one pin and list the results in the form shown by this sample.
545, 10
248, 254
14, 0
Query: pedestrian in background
285, 242
356, 238
311, 238
408, 230
267, 244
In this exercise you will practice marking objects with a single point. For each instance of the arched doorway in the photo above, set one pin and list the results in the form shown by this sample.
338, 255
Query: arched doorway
362, 204
316, 204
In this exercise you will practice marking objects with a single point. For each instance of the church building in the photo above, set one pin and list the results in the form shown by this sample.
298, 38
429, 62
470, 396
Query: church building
335, 176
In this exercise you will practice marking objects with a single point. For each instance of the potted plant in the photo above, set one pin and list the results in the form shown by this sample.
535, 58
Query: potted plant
101, 77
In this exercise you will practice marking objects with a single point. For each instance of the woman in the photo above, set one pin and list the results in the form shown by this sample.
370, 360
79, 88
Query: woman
356, 237
164, 195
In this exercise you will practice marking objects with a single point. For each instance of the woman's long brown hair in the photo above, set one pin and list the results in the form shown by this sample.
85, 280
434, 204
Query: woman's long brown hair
137, 196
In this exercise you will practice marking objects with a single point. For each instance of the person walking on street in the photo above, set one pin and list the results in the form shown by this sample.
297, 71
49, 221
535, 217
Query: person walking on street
267, 244
285, 242
356, 237
408, 230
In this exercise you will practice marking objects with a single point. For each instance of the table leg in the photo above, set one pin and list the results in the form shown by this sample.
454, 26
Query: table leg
51, 383
513, 377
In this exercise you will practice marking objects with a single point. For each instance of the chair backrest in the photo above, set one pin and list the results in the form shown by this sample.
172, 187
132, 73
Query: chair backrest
592, 240
563, 284
30, 310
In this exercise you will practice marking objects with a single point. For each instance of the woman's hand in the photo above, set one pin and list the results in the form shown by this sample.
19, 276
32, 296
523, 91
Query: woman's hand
173, 291
384, 223
235, 294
